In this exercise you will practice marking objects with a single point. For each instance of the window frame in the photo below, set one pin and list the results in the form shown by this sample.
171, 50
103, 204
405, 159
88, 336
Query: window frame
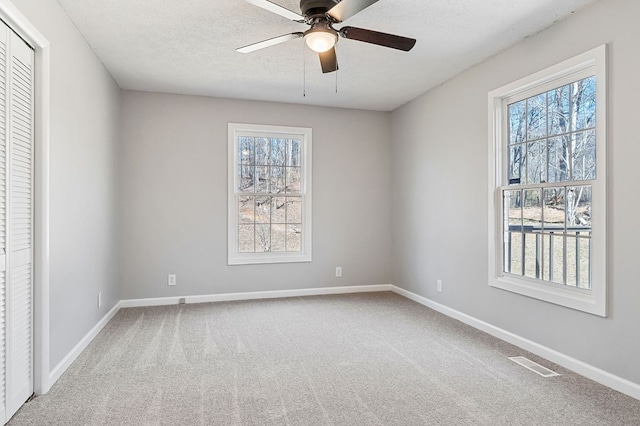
594, 300
235, 130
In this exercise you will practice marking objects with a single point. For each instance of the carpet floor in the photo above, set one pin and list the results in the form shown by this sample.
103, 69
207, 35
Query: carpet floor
359, 359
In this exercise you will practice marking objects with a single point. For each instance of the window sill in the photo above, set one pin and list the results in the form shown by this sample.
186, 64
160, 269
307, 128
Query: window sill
267, 258
574, 298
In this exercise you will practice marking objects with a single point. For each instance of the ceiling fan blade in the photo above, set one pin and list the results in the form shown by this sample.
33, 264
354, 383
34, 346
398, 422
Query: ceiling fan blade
347, 8
275, 8
268, 43
381, 39
329, 60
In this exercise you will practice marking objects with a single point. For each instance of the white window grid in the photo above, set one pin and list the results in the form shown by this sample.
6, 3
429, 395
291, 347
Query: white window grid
541, 265
295, 201
592, 299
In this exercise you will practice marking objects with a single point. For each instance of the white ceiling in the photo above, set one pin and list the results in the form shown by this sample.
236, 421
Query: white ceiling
188, 47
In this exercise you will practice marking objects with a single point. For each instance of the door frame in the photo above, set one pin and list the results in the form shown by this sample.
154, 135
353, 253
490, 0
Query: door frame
10, 14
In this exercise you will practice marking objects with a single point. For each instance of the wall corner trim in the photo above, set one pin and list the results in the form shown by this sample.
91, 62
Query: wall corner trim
603, 377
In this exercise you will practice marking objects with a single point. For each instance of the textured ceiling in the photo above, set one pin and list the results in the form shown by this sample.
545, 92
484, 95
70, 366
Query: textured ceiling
188, 47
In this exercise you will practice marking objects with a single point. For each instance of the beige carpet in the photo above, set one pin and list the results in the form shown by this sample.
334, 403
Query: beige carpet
364, 359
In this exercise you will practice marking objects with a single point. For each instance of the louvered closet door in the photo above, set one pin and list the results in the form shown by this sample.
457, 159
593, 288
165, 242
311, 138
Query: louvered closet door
18, 233
4, 35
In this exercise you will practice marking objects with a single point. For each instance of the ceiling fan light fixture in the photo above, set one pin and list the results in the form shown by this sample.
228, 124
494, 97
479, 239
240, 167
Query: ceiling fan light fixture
320, 41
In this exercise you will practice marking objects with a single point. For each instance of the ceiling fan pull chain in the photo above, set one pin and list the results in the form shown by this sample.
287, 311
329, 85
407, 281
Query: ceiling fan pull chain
304, 71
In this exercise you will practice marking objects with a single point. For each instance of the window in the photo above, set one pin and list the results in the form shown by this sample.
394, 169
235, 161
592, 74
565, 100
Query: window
269, 194
548, 184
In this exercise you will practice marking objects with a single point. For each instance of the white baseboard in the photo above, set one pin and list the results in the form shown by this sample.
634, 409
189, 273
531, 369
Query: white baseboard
622, 385
227, 297
66, 362
618, 383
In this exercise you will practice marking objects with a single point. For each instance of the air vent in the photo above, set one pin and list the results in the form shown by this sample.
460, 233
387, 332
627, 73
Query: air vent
535, 367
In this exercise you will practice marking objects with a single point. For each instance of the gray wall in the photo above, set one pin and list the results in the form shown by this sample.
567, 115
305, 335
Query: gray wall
439, 193
83, 217
174, 196
171, 171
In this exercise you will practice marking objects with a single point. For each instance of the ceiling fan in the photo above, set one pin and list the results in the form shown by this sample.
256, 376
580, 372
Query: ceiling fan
321, 15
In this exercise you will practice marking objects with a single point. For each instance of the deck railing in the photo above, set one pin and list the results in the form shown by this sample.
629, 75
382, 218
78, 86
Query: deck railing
546, 259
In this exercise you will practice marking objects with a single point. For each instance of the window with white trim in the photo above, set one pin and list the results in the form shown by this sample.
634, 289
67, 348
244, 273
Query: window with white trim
548, 184
269, 194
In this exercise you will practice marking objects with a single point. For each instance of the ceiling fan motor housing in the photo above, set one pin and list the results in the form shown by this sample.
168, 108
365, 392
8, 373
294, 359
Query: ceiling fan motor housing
321, 37
313, 8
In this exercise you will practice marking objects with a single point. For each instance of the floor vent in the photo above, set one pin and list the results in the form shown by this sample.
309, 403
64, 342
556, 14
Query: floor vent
535, 367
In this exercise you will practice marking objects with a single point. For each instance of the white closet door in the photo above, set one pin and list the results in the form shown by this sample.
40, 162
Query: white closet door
4, 34
19, 234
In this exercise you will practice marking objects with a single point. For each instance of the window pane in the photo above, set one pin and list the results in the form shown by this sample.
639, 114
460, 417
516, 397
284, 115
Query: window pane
579, 208
583, 207
513, 203
514, 247
245, 239
263, 209
245, 150
294, 210
261, 179
532, 256
552, 257
293, 238
262, 151
559, 110
584, 155
537, 117
278, 237
554, 209
278, 210
545, 256
584, 262
263, 238
557, 259
293, 152
537, 162
517, 122
558, 159
583, 103
245, 178
572, 253
516, 163
277, 153
532, 211
293, 180
276, 180
246, 210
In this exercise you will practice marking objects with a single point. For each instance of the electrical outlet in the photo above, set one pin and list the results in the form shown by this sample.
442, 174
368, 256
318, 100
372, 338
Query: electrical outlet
171, 279
99, 299
338, 271
439, 285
